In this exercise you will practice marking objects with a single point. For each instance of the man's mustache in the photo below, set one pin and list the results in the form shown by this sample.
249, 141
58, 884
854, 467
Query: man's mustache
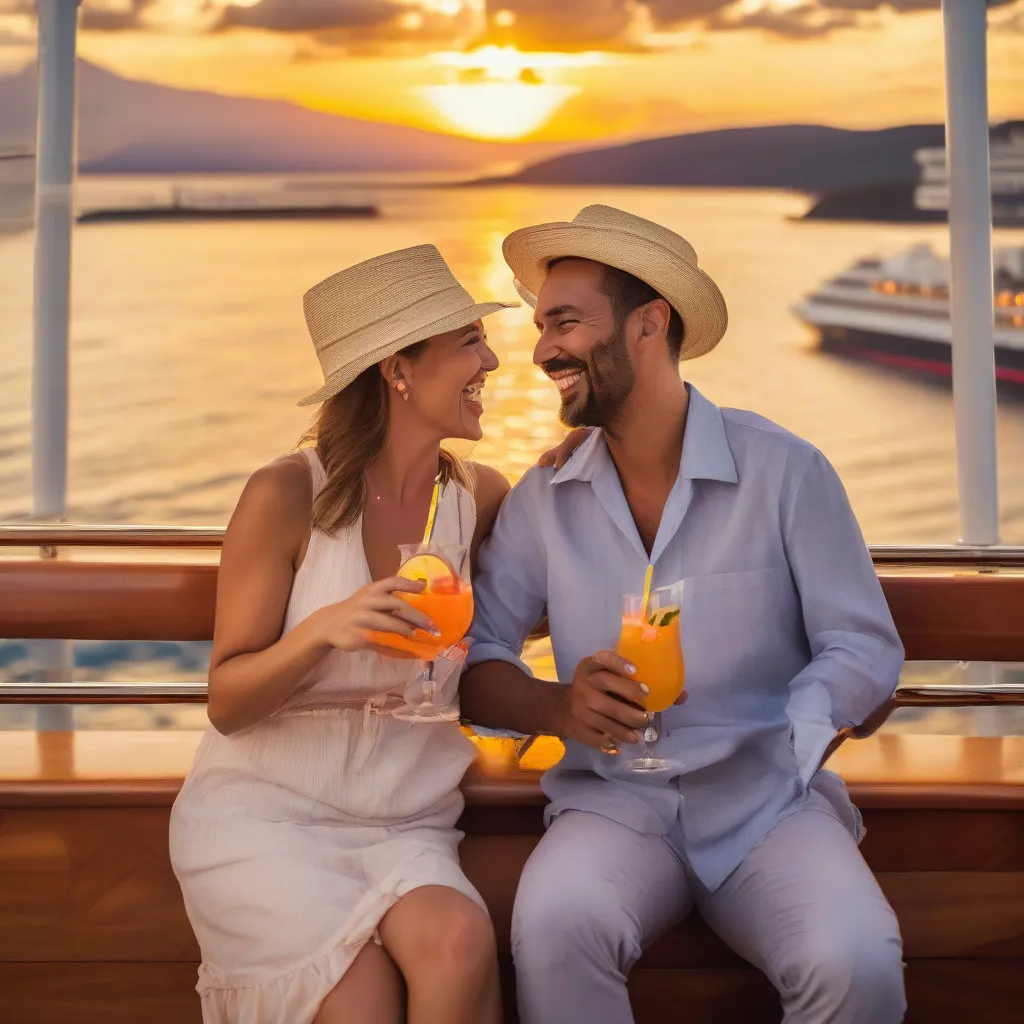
554, 365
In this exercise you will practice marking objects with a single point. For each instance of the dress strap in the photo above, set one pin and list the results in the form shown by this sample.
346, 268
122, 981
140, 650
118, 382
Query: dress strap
316, 469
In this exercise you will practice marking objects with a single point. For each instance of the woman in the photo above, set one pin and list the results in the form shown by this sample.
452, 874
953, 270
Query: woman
315, 838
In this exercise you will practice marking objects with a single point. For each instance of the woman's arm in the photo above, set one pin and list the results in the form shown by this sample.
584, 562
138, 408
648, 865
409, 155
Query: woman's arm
491, 488
253, 669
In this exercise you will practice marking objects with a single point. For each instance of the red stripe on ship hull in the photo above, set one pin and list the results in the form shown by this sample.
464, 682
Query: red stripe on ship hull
934, 366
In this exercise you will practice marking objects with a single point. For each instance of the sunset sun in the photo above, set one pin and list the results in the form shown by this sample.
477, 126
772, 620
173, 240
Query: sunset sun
499, 92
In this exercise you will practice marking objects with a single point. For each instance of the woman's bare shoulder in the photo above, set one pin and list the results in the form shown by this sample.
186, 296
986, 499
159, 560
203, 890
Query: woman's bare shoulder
278, 495
491, 487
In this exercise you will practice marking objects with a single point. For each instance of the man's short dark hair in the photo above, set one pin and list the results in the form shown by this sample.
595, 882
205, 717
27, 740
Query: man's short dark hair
628, 293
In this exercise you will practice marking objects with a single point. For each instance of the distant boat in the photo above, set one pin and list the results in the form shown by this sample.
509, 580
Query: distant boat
926, 200
896, 312
195, 204
1006, 172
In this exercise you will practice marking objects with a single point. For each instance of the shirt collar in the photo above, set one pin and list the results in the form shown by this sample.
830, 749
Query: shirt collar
706, 453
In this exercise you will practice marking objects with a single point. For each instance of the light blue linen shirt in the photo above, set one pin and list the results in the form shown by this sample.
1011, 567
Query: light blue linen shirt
786, 633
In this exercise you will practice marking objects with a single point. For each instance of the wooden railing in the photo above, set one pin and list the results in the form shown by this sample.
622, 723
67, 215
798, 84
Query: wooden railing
949, 604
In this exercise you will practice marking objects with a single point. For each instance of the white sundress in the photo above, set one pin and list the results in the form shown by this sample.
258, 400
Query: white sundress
293, 838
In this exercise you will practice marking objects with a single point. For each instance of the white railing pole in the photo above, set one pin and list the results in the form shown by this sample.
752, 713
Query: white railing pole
55, 172
54, 220
971, 287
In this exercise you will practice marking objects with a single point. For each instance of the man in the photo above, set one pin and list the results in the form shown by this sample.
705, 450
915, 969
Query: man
787, 639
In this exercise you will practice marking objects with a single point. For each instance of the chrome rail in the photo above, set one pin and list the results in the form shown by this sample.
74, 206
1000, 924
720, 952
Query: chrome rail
59, 535
69, 535
926, 695
102, 693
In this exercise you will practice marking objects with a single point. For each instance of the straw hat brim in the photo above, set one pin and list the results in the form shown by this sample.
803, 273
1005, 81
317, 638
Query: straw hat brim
695, 297
340, 379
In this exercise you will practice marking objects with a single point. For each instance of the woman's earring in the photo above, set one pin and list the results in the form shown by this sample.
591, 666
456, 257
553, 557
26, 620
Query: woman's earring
403, 389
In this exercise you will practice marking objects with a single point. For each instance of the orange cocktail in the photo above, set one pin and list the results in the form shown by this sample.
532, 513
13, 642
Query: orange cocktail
447, 598
655, 648
651, 640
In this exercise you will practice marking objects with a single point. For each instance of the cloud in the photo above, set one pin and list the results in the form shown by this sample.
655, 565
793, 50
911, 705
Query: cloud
114, 16
328, 26
313, 15
902, 6
808, 21
563, 25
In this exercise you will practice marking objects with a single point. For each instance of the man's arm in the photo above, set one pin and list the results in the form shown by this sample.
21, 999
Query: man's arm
856, 651
509, 595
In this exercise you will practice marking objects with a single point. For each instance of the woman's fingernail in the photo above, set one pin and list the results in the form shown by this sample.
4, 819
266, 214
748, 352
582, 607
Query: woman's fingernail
434, 631
631, 669
635, 737
645, 688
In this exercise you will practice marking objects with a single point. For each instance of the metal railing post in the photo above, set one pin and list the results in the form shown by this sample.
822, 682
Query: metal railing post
971, 274
54, 220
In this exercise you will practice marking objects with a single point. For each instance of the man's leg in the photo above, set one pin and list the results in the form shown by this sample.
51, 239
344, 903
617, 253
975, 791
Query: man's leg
592, 896
805, 908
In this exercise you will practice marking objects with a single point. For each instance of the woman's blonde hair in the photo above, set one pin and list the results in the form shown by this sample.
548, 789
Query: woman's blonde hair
350, 432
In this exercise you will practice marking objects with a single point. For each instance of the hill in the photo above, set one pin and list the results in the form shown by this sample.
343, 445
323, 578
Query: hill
131, 126
811, 158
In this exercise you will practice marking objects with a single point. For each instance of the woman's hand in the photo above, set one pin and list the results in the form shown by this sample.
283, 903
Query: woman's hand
559, 456
375, 607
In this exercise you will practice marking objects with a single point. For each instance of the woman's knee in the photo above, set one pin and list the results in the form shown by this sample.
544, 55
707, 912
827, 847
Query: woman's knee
452, 937
464, 945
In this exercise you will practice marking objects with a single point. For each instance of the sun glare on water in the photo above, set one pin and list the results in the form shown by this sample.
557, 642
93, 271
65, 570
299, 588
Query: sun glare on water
498, 92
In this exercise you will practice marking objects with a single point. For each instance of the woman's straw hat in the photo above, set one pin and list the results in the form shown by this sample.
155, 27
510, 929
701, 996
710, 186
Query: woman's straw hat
659, 257
368, 312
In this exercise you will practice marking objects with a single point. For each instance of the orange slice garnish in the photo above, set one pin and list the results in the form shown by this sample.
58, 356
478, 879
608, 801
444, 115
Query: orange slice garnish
433, 570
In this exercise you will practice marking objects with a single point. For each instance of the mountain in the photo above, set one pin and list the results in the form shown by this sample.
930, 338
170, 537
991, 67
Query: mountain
126, 125
809, 158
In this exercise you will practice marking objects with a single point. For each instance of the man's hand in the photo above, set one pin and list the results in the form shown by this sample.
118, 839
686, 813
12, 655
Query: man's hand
604, 706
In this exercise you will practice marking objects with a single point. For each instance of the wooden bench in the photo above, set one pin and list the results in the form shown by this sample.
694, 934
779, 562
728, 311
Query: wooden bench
92, 926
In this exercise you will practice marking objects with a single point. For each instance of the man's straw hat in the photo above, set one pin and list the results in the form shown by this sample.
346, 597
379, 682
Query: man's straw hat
659, 257
368, 312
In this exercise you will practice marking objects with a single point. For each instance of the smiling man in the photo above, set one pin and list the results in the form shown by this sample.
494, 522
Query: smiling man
787, 641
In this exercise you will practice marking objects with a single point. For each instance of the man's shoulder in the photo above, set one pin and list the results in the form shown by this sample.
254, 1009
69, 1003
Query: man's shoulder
533, 486
753, 436
753, 428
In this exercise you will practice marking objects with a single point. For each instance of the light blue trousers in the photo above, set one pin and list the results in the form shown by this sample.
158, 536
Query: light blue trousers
803, 907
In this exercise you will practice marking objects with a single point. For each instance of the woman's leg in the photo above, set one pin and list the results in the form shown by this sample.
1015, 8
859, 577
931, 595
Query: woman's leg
372, 992
443, 943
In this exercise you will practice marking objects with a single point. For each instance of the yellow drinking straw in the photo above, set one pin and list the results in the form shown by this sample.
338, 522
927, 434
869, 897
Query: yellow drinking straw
433, 510
647, 592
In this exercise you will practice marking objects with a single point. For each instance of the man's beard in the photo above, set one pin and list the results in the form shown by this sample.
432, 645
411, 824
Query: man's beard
609, 382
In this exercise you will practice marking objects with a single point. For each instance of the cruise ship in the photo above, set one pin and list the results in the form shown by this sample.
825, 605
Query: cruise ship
896, 312
1006, 173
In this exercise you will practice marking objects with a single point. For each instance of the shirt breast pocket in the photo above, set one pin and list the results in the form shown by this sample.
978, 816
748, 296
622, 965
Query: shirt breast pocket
731, 630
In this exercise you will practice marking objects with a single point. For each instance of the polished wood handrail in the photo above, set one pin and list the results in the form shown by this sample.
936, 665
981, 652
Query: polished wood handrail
940, 616
54, 599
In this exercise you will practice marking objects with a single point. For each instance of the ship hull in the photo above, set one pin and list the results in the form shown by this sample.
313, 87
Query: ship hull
913, 355
178, 213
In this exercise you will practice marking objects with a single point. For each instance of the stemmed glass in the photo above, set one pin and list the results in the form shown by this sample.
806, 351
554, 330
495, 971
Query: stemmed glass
651, 640
447, 598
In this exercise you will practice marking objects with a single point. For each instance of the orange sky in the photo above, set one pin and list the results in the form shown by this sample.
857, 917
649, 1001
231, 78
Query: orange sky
599, 69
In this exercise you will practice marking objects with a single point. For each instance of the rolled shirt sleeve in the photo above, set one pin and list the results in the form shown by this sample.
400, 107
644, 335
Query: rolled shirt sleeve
856, 653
